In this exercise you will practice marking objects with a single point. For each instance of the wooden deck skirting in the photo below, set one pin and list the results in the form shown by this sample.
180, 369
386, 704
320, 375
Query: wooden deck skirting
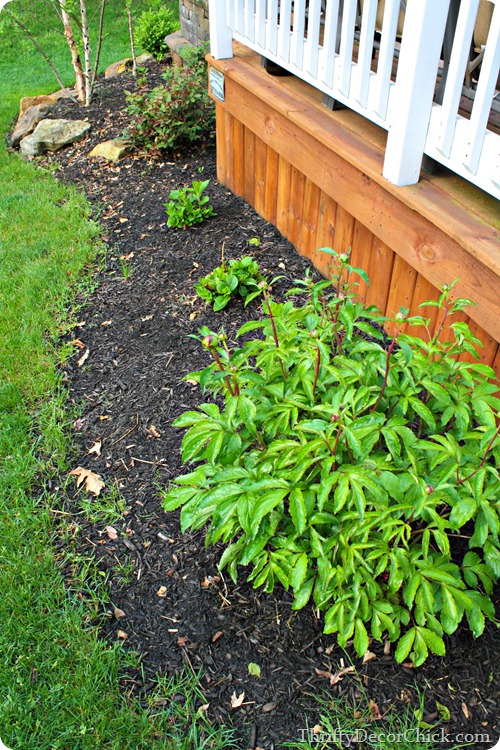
317, 176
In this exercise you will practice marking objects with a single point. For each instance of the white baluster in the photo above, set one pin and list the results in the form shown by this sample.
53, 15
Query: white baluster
484, 94
414, 89
221, 34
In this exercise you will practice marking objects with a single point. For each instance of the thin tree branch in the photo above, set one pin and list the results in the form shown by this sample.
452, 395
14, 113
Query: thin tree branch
99, 43
131, 34
43, 54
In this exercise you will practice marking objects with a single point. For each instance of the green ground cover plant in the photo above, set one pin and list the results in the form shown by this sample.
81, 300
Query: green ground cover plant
177, 114
188, 206
238, 278
359, 471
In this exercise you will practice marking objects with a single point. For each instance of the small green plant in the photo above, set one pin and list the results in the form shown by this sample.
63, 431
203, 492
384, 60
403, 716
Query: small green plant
188, 206
123, 573
125, 268
140, 76
358, 470
107, 508
152, 27
254, 669
176, 115
238, 278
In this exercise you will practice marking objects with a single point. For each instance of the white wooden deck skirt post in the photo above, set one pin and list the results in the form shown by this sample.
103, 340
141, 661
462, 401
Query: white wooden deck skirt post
409, 115
221, 35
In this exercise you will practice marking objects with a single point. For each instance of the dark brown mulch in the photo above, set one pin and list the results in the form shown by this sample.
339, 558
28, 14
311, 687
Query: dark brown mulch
177, 610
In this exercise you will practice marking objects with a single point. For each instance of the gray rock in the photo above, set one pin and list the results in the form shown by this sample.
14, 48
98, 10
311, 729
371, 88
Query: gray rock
112, 150
51, 135
31, 101
116, 68
28, 122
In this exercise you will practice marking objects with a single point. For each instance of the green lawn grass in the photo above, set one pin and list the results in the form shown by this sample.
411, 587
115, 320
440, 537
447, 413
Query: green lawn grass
59, 684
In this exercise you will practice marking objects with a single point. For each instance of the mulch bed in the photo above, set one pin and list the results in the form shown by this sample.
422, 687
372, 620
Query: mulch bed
174, 608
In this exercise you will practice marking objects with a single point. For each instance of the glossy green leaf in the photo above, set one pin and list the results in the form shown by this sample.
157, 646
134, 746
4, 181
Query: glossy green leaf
258, 508
298, 510
433, 641
463, 511
360, 638
302, 595
492, 557
405, 645
299, 572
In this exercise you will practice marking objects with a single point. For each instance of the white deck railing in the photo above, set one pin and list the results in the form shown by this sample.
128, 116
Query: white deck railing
330, 44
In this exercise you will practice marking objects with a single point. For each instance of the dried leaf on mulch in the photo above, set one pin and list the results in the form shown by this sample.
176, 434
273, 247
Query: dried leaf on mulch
93, 482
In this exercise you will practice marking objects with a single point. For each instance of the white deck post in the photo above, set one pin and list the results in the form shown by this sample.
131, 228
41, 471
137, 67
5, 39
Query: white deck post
221, 35
414, 89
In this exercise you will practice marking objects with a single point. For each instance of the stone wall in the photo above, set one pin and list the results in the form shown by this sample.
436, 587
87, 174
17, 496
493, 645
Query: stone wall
194, 20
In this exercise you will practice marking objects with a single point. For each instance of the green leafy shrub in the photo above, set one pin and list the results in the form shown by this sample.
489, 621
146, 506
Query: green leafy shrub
358, 471
238, 278
194, 56
152, 27
173, 116
188, 206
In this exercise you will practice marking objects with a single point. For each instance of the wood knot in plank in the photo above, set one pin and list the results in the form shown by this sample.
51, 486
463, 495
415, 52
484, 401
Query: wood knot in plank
427, 252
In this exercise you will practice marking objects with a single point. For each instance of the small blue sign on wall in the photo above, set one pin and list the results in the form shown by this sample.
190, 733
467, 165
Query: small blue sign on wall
217, 84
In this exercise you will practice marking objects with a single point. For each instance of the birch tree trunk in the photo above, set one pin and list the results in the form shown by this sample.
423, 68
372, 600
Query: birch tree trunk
75, 57
131, 35
86, 53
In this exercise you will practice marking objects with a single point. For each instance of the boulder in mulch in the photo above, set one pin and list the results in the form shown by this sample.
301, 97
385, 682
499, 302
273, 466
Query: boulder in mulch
28, 122
116, 68
112, 150
51, 135
32, 101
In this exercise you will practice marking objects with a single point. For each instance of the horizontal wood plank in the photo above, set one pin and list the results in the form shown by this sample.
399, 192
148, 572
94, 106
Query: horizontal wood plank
332, 156
317, 176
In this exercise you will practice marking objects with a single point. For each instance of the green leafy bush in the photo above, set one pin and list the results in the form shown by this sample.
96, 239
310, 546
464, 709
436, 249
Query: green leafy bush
358, 471
152, 27
188, 206
173, 116
238, 278
194, 56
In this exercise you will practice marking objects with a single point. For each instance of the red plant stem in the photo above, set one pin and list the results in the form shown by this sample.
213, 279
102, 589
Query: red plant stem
497, 433
316, 368
335, 321
387, 368
215, 355
275, 333
235, 379
441, 325
236, 385
337, 438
